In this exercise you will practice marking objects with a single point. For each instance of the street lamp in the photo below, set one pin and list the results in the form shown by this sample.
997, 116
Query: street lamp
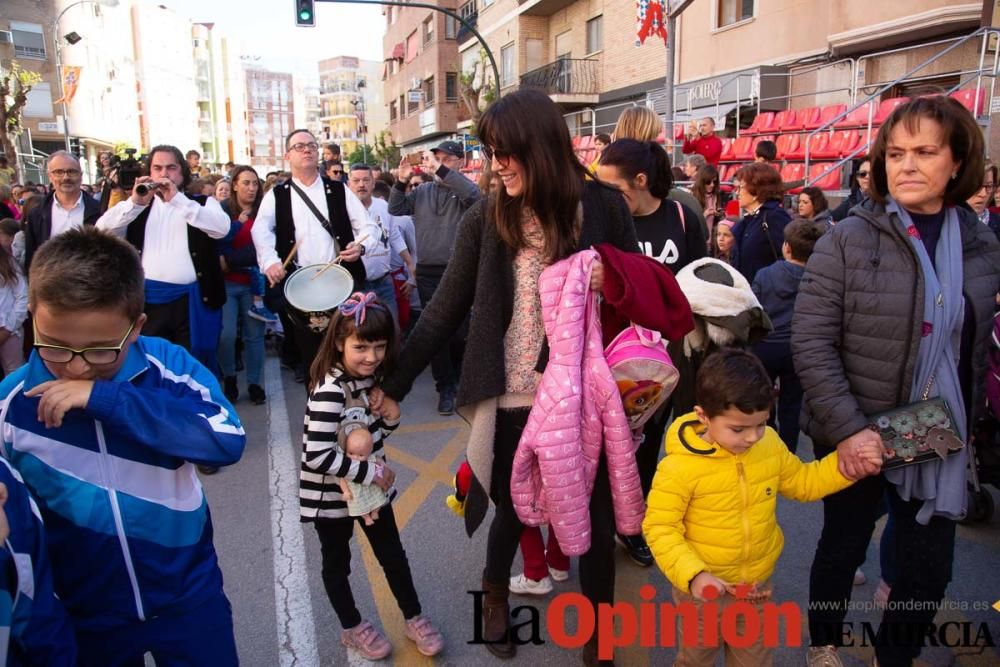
72, 38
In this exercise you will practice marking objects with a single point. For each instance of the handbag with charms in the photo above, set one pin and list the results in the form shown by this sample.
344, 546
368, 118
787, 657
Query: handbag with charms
915, 433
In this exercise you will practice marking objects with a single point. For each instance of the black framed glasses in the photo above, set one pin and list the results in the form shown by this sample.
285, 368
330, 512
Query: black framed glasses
312, 147
503, 157
862, 174
95, 356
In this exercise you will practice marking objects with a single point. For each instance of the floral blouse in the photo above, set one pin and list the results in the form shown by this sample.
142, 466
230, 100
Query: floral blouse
526, 333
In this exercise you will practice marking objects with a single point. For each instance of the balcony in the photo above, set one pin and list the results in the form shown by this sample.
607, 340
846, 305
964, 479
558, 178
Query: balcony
543, 7
469, 13
567, 81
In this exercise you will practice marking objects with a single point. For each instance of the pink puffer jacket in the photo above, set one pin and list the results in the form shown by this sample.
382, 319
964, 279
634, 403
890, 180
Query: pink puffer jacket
576, 415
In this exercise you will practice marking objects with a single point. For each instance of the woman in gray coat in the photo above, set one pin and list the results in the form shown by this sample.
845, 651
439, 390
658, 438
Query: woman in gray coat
896, 305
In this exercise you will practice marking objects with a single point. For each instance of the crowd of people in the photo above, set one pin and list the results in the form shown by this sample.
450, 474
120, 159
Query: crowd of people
127, 313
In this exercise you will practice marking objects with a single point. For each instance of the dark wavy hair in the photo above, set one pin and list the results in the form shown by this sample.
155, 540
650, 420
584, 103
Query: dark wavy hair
181, 160
761, 180
234, 203
632, 158
817, 198
529, 127
959, 132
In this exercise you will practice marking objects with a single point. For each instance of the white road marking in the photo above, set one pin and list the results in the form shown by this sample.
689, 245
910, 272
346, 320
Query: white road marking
293, 603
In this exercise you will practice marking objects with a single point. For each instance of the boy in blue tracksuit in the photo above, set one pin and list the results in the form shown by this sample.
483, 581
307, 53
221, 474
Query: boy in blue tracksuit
34, 627
106, 427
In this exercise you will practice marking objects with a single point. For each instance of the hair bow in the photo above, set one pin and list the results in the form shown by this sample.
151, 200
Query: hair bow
356, 305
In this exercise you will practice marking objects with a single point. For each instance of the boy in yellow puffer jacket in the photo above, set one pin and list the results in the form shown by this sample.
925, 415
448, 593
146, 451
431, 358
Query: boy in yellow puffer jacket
710, 519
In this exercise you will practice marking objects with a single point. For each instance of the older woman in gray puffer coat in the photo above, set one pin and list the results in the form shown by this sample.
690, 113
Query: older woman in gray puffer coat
896, 305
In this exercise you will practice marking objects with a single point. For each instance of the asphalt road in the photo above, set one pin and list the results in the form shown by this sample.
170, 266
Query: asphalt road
271, 562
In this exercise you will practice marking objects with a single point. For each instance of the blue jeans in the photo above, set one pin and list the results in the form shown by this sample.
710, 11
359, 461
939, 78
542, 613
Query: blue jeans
386, 293
238, 302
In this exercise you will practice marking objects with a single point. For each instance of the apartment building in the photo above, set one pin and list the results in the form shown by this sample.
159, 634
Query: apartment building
104, 110
270, 116
352, 101
308, 109
421, 75
170, 94
222, 124
30, 37
731, 54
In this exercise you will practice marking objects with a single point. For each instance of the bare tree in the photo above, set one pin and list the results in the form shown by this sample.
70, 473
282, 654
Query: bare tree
477, 90
15, 82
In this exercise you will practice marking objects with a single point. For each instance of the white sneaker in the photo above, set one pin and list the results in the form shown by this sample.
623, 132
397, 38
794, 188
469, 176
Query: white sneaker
823, 656
558, 575
859, 577
521, 585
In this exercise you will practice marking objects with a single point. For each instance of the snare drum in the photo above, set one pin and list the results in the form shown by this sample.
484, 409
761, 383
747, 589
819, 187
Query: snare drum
311, 299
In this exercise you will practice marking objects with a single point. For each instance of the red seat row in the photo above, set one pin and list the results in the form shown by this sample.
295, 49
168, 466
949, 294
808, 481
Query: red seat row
794, 171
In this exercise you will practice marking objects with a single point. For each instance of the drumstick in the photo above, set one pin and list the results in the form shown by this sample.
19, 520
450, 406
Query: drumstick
336, 261
288, 260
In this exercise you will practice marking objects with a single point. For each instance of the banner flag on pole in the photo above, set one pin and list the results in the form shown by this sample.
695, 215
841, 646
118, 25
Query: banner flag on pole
71, 79
649, 20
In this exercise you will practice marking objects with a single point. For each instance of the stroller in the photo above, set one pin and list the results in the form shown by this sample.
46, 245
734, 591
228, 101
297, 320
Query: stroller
984, 462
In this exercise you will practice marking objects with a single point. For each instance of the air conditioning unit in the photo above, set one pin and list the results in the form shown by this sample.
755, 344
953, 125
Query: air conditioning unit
415, 83
6, 37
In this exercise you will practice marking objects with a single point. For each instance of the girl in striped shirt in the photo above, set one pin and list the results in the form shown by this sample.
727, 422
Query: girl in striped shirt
359, 346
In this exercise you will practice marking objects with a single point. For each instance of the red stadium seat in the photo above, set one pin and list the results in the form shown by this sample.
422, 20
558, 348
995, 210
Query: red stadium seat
831, 181
727, 150
808, 117
827, 114
743, 148
968, 99
793, 171
835, 146
786, 144
817, 142
786, 120
764, 122
857, 118
886, 108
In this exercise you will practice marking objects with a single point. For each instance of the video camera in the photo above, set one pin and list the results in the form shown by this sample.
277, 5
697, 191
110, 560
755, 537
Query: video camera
129, 169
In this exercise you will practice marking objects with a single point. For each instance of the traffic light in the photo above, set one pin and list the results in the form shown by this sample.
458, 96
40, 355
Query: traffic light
305, 13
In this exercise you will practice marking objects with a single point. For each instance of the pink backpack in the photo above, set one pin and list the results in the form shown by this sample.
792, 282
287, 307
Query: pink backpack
643, 371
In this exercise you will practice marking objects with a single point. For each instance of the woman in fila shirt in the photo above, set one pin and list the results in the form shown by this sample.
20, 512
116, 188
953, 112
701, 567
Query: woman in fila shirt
668, 231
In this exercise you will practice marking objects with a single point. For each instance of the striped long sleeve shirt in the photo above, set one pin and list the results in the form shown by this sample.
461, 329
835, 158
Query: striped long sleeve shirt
324, 463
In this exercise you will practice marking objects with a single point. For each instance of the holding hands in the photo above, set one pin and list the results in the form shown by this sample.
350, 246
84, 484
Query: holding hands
860, 455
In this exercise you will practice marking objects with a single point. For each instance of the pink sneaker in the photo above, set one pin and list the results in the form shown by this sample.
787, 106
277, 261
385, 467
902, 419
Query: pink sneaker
423, 633
367, 641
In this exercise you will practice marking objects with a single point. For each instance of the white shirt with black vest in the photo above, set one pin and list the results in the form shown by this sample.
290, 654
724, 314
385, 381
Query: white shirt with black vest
165, 254
316, 246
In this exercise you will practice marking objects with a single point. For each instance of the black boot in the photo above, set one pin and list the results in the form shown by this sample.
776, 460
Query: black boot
496, 620
230, 389
637, 549
589, 655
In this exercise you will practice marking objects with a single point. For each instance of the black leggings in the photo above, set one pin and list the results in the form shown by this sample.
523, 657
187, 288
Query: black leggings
597, 566
335, 542
924, 564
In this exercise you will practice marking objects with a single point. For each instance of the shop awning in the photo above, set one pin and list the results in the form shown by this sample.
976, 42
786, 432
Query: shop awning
399, 51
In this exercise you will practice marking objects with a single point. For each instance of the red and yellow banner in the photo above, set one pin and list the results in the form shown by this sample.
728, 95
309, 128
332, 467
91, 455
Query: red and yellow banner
70, 81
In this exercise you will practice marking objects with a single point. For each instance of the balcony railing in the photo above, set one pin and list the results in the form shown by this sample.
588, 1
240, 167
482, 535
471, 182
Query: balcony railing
468, 12
565, 76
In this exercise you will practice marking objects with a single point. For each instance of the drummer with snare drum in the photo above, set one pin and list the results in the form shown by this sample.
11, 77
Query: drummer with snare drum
311, 220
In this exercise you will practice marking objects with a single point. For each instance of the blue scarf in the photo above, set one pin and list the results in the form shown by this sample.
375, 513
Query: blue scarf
940, 484
205, 323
